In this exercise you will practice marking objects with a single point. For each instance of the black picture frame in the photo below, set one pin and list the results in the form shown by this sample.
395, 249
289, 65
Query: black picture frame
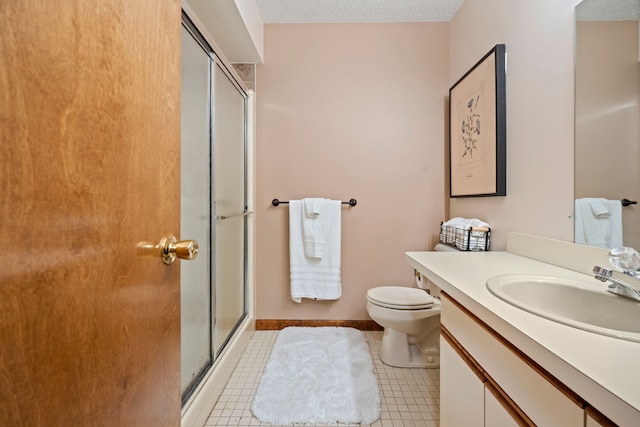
478, 129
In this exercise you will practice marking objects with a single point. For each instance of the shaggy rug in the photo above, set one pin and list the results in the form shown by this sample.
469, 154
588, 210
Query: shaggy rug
316, 376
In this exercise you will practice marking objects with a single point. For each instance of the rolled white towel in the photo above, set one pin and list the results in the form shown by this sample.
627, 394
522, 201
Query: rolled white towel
456, 222
465, 224
478, 228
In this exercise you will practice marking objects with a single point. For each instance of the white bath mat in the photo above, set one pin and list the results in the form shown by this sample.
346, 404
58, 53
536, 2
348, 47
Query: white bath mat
317, 376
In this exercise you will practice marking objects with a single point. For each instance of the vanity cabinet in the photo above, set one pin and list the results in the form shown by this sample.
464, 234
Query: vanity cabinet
463, 384
485, 375
466, 382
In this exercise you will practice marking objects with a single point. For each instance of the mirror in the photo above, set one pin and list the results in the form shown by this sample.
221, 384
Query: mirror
607, 128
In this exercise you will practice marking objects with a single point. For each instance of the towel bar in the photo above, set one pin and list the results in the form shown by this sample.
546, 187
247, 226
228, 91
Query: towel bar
351, 202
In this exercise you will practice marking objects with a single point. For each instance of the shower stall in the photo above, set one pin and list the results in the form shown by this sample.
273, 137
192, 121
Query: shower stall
214, 205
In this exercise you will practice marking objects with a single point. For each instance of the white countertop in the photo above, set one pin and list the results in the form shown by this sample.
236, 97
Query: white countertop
604, 371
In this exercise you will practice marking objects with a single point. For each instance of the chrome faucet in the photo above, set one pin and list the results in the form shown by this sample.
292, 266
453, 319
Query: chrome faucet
627, 261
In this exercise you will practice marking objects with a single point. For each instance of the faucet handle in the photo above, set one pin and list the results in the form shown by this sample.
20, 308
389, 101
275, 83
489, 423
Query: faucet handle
624, 259
601, 274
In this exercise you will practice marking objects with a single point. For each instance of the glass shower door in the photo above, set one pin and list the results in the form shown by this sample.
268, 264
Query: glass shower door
213, 207
195, 212
229, 180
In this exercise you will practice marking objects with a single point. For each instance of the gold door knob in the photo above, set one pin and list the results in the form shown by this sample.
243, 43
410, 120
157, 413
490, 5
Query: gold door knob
171, 249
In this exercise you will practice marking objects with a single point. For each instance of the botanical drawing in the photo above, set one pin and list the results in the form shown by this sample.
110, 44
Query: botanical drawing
471, 114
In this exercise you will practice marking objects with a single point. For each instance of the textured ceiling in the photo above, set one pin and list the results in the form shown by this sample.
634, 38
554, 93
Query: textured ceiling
332, 11
608, 10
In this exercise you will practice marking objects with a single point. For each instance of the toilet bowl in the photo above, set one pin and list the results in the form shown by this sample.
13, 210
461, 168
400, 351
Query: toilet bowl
411, 321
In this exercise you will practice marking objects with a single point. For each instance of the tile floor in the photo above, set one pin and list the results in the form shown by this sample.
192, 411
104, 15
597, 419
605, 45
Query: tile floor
409, 397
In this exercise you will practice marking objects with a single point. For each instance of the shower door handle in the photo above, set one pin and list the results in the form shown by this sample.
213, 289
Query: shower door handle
243, 213
171, 248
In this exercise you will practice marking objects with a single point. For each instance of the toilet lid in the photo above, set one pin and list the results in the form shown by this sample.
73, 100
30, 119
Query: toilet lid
400, 297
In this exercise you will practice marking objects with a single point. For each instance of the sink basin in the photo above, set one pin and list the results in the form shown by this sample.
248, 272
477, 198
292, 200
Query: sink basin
578, 303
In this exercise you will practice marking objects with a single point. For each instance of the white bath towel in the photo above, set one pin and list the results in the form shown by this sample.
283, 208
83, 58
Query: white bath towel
312, 277
598, 222
314, 225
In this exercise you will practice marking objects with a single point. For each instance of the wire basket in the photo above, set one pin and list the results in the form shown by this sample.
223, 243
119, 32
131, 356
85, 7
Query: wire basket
469, 239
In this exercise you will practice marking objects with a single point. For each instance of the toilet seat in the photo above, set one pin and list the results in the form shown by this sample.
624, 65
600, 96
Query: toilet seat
400, 298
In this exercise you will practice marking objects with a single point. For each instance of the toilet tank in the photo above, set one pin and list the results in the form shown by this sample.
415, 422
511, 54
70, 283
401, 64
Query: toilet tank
423, 282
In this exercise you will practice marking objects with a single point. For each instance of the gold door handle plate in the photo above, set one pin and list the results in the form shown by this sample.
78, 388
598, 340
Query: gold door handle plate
171, 249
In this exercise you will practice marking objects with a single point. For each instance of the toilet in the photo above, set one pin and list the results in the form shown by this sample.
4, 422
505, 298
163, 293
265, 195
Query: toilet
411, 321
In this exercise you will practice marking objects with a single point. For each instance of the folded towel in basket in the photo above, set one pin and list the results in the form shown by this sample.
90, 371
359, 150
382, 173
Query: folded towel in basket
465, 224
466, 234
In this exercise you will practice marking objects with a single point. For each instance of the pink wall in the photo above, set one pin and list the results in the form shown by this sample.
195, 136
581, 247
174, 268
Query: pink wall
350, 110
539, 39
607, 132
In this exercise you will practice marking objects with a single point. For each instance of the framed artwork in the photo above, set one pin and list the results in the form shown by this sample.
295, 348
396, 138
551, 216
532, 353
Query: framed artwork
478, 129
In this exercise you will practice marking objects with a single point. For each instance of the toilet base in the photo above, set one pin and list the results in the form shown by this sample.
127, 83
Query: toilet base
396, 351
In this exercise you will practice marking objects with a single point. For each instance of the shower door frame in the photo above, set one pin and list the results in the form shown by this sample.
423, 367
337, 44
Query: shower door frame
195, 28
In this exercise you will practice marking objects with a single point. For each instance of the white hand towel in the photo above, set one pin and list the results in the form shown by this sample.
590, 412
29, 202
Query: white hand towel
311, 277
313, 207
599, 207
598, 222
615, 217
313, 226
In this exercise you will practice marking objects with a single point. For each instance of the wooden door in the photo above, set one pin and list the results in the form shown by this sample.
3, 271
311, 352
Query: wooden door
89, 171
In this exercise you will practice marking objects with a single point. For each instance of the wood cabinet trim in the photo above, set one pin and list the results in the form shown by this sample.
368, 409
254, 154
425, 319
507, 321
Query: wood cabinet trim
507, 403
599, 417
570, 394
464, 355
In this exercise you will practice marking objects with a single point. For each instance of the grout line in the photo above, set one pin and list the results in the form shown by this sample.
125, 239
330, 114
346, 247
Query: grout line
409, 397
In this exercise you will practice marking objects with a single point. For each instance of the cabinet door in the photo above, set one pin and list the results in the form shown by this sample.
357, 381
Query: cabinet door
591, 422
495, 412
462, 394
593, 418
